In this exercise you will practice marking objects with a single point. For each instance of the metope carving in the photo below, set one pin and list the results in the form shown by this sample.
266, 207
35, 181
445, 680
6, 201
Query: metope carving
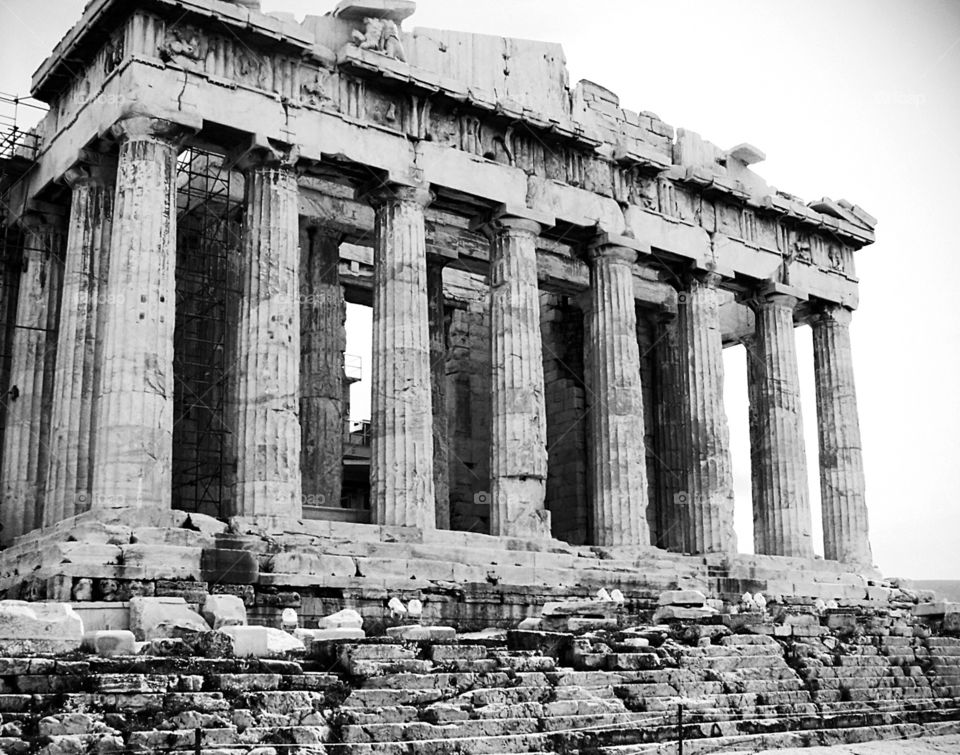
181, 44
113, 55
315, 89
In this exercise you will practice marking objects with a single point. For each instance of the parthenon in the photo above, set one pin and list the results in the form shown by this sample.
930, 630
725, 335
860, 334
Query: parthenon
530, 546
586, 257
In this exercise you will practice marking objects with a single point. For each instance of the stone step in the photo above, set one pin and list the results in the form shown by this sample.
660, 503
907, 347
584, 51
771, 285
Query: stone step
421, 730
521, 743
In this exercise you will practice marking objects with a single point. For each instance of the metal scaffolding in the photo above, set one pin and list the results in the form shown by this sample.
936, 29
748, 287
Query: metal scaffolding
209, 206
19, 144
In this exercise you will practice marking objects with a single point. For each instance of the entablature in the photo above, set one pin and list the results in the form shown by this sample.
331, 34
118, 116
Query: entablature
358, 114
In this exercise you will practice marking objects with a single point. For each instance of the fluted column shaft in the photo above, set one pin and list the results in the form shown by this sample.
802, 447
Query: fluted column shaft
85, 261
32, 357
402, 487
323, 341
781, 507
705, 503
618, 477
438, 387
267, 384
845, 526
133, 451
518, 455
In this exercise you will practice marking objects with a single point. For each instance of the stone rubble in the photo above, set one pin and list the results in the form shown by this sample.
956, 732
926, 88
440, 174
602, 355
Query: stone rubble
606, 691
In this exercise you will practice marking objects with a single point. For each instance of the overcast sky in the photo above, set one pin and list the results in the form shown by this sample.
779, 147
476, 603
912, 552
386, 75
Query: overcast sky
855, 99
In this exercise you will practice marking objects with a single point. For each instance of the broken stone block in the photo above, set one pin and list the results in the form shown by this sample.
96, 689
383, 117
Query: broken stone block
38, 628
581, 615
230, 567
164, 647
682, 598
633, 661
418, 633
328, 635
529, 624
262, 642
683, 613
224, 611
110, 642
345, 619
153, 618
936, 610
546, 643
205, 644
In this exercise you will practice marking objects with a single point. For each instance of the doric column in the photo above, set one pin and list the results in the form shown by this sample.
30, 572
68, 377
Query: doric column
323, 341
518, 454
133, 450
85, 261
267, 382
401, 476
845, 527
781, 508
705, 502
615, 441
33, 354
438, 387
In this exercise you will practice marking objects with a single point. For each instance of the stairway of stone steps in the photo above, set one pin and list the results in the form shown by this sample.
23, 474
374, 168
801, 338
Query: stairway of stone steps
481, 698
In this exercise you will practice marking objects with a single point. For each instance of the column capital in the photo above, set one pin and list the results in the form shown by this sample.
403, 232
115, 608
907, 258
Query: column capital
508, 217
613, 246
686, 280
830, 312
266, 154
612, 253
386, 193
136, 127
777, 294
98, 171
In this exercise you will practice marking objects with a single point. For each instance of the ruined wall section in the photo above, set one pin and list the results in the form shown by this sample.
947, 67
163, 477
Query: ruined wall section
468, 412
647, 336
562, 329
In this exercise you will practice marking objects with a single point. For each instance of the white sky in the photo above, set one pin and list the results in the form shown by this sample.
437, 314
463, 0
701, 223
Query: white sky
855, 99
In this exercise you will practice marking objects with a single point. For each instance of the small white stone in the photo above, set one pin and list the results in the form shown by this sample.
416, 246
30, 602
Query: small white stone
224, 611
603, 595
156, 618
415, 609
617, 597
289, 620
396, 607
760, 601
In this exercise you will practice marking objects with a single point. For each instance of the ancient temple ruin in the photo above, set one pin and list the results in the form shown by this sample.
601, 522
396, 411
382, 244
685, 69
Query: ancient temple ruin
553, 281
